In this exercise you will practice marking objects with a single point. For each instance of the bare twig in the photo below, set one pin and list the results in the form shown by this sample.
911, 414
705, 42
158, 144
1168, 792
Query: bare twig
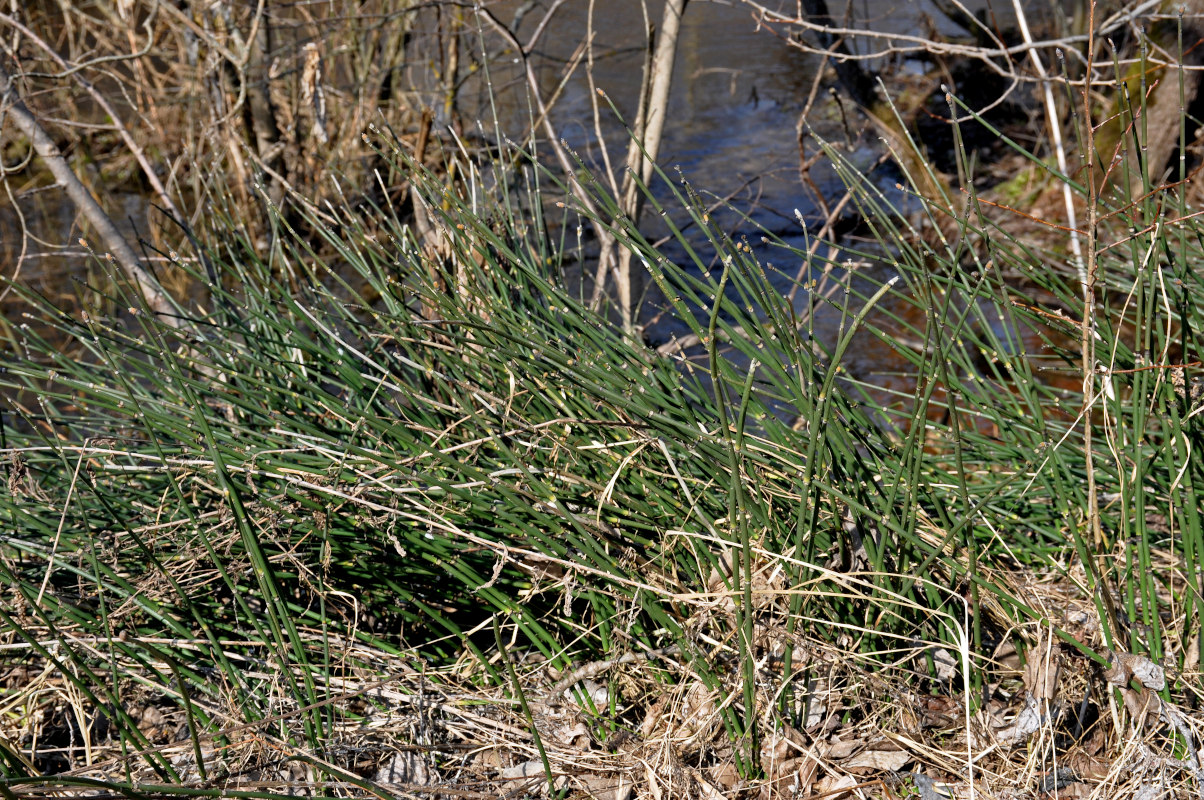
1087, 350
645, 146
1055, 130
605, 237
895, 43
596, 107
12, 105
152, 177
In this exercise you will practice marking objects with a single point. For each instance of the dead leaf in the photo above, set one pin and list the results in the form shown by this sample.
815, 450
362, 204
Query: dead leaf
1151, 676
720, 575
654, 785
725, 775
527, 769
699, 715
705, 788
1094, 745
775, 748
808, 771
946, 665
1006, 657
885, 758
1126, 666
815, 703
1026, 723
786, 778
406, 768
840, 750
1042, 670
606, 787
574, 736
490, 759
836, 788
1139, 704
1192, 651
654, 716
1087, 767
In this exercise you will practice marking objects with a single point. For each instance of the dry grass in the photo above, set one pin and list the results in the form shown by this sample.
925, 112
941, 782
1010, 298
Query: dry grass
647, 725
398, 524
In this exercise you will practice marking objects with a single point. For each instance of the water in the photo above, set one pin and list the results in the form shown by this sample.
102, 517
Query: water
734, 109
733, 126
732, 129
734, 132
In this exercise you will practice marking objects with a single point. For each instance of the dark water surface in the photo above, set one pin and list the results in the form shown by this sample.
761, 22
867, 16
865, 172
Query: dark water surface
739, 88
733, 129
739, 92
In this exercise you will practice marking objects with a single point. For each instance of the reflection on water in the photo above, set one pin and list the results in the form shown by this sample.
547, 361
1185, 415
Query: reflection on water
40, 249
732, 127
733, 114
733, 132
739, 88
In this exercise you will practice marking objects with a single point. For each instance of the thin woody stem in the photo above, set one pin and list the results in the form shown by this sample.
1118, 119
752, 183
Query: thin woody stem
14, 107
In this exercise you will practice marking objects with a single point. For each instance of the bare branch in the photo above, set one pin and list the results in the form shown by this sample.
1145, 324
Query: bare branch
116, 124
12, 105
902, 43
645, 145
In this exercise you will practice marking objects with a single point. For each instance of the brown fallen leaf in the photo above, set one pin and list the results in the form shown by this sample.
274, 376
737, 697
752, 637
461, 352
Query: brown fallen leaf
705, 789
605, 787
839, 750
887, 757
996, 727
527, 769
808, 771
834, 787
1042, 669
1126, 666
774, 749
406, 768
654, 784
724, 775
935, 711
790, 778
1087, 767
